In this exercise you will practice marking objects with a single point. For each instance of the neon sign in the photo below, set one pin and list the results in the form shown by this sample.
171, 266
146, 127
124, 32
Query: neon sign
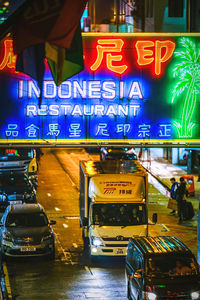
108, 46
187, 71
123, 93
145, 55
9, 59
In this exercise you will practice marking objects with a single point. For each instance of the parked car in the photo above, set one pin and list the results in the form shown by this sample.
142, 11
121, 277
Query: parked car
161, 267
117, 153
26, 231
16, 189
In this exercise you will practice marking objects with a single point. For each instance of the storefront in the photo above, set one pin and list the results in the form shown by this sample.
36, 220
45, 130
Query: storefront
135, 88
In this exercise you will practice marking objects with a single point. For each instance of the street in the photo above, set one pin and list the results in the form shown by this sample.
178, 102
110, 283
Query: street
72, 275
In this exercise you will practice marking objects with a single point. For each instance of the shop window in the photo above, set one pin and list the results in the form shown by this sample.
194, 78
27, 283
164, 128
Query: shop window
175, 8
149, 8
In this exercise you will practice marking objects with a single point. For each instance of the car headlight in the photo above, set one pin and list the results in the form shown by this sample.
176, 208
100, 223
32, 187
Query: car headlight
3, 197
26, 196
150, 296
96, 241
7, 236
46, 237
195, 295
33, 177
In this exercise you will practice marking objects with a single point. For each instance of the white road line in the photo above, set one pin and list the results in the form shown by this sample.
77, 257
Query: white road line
65, 225
57, 209
67, 256
73, 218
48, 194
72, 161
75, 245
165, 227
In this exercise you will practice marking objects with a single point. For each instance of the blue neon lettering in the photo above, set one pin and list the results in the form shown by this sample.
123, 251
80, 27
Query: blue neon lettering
65, 90
109, 92
78, 89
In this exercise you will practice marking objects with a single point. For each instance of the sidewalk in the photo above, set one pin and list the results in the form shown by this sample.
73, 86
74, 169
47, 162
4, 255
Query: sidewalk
162, 170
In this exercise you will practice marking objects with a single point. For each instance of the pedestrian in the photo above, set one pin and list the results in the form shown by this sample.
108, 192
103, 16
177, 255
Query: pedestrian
174, 185
181, 194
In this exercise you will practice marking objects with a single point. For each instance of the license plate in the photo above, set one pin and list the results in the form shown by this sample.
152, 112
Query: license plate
120, 251
15, 202
27, 249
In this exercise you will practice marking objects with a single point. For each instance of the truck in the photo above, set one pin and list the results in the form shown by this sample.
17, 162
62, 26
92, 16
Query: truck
113, 205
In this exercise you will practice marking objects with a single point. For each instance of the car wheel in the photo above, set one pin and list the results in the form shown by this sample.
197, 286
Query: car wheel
2, 254
51, 256
128, 293
93, 259
85, 240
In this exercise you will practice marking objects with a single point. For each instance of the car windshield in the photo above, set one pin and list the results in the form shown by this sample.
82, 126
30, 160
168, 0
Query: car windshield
175, 266
123, 153
119, 214
122, 156
14, 181
25, 153
26, 220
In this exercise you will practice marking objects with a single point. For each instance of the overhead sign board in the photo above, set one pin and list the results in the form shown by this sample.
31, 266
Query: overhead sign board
134, 88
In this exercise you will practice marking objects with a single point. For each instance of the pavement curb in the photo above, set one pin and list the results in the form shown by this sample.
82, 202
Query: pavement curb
3, 292
158, 179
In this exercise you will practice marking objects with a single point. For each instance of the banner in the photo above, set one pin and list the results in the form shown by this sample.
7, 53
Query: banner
134, 88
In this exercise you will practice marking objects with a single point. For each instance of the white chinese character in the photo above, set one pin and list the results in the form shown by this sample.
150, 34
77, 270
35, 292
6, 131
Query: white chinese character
32, 130
53, 129
12, 130
74, 130
125, 128
165, 130
102, 129
144, 130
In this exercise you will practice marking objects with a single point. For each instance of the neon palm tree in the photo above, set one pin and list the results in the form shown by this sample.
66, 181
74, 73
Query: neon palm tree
187, 69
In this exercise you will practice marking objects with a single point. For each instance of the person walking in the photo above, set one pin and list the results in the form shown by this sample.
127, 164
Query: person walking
181, 193
174, 186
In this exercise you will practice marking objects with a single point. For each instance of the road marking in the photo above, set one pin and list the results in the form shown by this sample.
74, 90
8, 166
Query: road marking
73, 218
165, 227
65, 170
7, 281
57, 209
65, 225
48, 194
67, 256
75, 245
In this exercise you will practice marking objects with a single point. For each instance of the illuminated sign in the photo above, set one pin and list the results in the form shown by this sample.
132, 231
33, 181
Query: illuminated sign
134, 88
11, 151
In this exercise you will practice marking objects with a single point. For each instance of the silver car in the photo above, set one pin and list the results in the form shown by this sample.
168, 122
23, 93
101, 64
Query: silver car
26, 231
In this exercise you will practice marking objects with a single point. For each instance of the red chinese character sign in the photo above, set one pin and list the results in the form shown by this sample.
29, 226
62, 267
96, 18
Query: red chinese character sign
134, 88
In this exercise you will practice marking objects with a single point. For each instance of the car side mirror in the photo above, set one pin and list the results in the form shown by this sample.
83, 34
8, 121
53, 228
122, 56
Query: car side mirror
138, 274
84, 221
52, 222
155, 218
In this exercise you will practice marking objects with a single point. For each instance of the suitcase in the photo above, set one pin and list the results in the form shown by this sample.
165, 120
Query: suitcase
188, 211
172, 204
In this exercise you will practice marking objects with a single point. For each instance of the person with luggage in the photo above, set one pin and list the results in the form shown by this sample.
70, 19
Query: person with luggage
174, 185
181, 193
